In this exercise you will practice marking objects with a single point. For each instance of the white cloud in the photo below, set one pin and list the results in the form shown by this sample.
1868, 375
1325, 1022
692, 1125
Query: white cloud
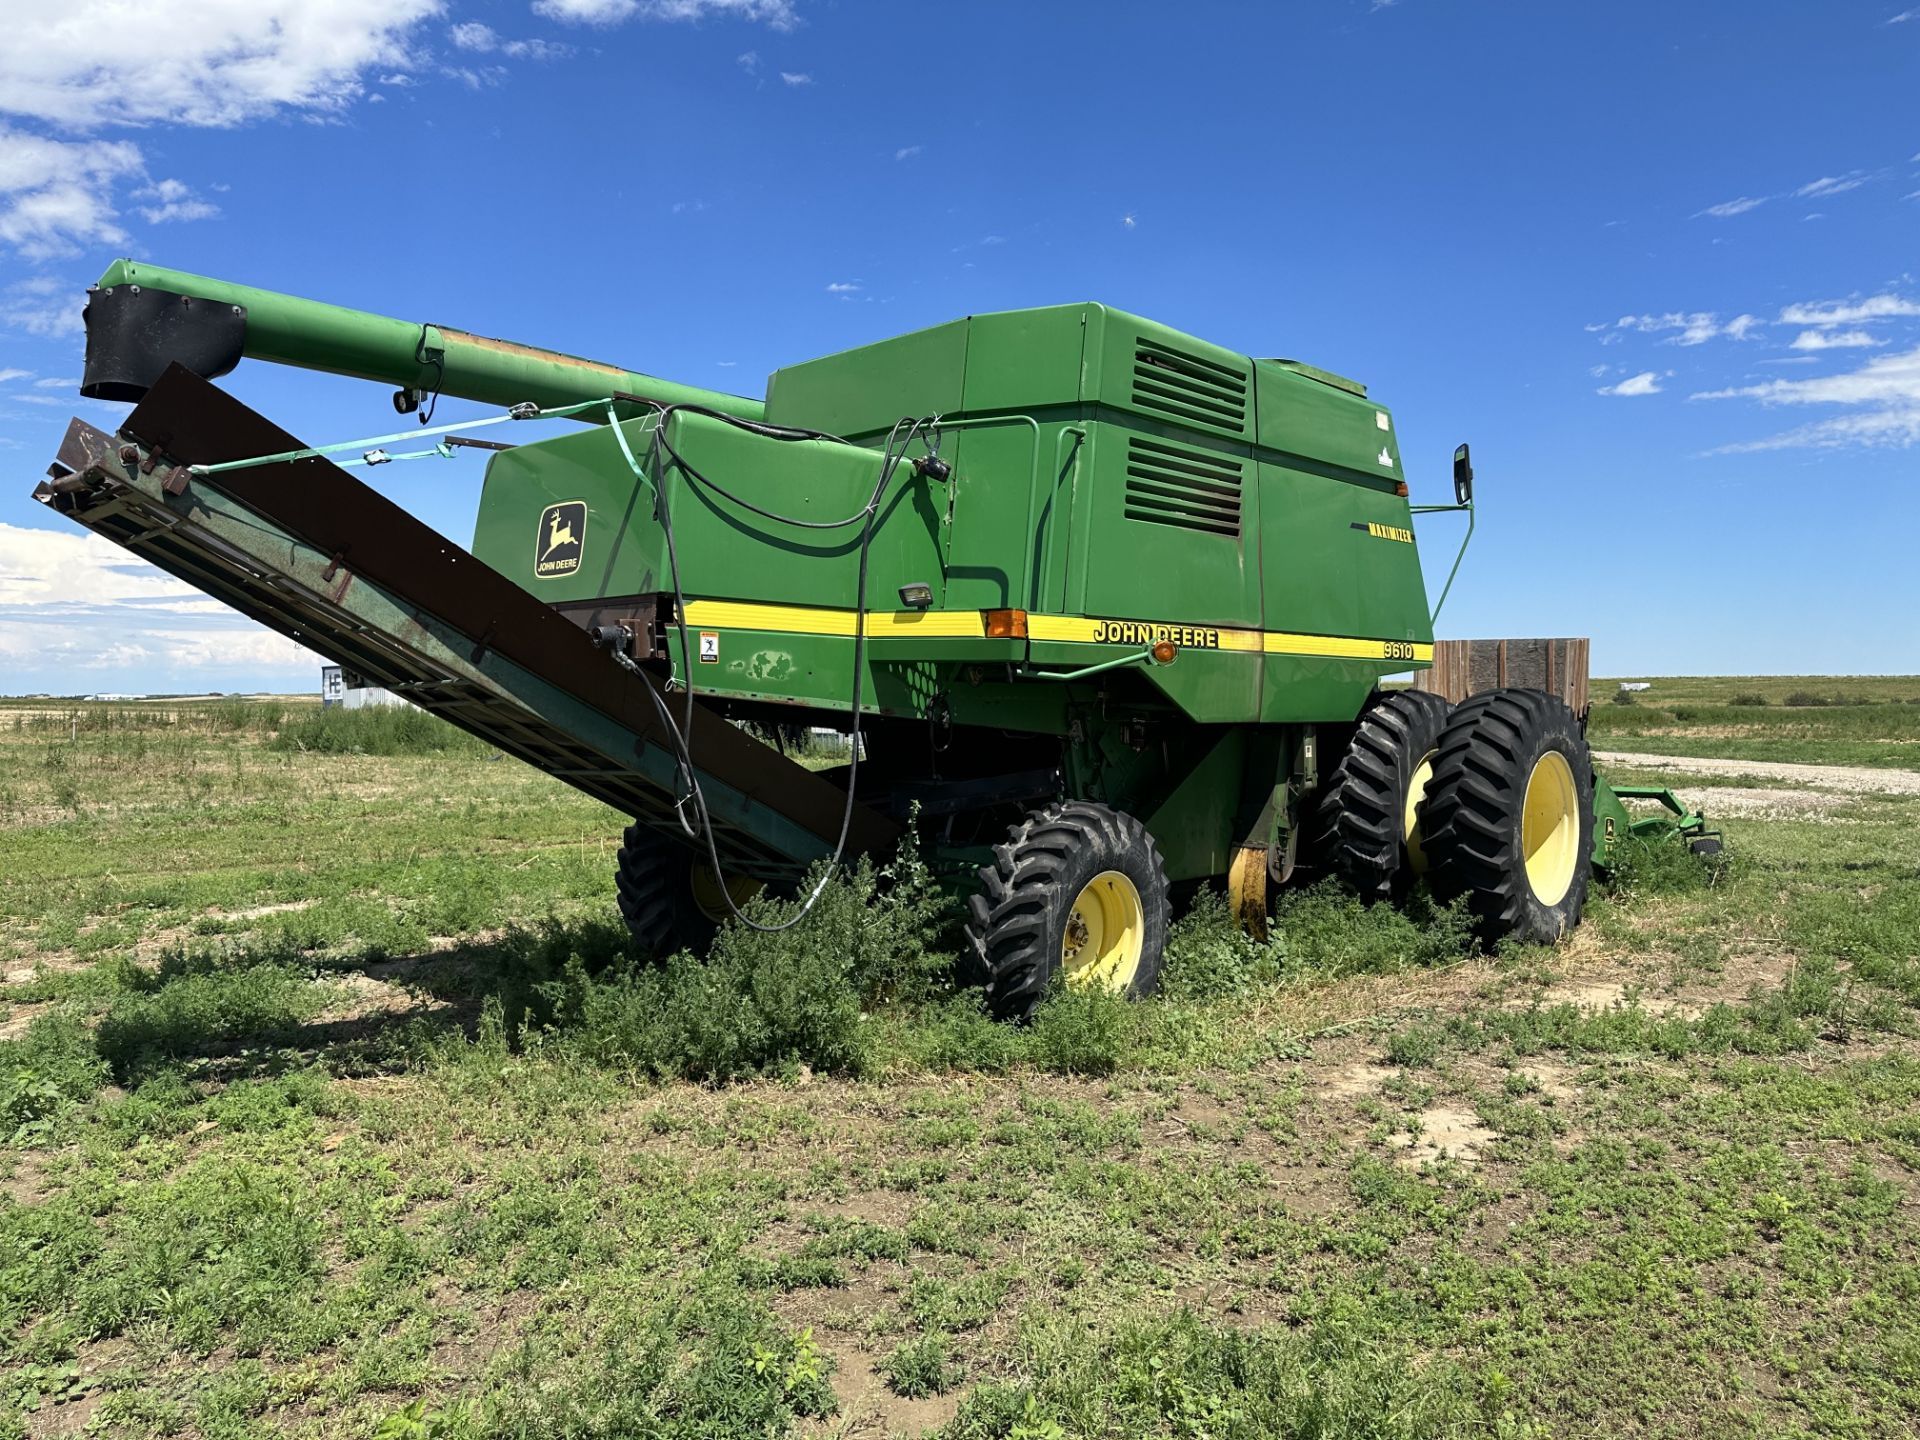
689, 207
1729, 208
10, 374
62, 590
1903, 17
778, 14
1884, 395
1695, 327
1834, 340
1647, 382
52, 382
46, 568
1825, 313
57, 196
482, 39
85, 63
485, 77
1833, 184
794, 79
43, 305
907, 152
748, 61
173, 200
1129, 220
843, 287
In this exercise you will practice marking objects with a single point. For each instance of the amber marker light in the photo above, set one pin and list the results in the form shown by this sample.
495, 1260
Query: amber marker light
1006, 624
1164, 651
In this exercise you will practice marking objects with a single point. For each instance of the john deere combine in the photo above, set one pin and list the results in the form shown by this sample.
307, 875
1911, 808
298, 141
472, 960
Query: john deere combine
1106, 605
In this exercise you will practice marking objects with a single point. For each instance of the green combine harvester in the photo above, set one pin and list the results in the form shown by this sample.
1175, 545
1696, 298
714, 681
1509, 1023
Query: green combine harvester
1107, 607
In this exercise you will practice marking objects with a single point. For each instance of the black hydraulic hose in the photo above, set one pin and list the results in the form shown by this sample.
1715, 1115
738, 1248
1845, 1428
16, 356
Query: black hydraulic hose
894, 452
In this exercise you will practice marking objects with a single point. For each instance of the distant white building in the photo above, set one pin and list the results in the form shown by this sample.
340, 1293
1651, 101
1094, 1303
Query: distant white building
341, 686
1631, 685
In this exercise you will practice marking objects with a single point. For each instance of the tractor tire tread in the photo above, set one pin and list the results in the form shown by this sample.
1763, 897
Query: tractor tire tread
1472, 824
1011, 919
1361, 816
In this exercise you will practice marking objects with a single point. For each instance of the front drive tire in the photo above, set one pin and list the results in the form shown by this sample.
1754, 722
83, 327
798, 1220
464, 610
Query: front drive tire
1508, 816
670, 900
1077, 890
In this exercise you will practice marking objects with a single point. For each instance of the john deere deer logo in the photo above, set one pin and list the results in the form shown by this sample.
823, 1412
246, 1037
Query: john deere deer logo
560, 539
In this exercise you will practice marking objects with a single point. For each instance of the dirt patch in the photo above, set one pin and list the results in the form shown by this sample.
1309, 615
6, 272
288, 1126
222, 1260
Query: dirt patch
1738, 980
1446, 1133
1355, 1081
837, 1320
876, 1207
1551, 1080
1601, 995
868, 1407
20, 1016
28, 1184
496, 1323
255, 912
1858, 779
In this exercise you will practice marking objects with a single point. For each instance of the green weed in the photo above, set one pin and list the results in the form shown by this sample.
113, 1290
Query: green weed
921, 1368
374, 730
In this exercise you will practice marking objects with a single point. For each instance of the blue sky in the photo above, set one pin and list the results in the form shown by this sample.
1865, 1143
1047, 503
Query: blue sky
1657, 262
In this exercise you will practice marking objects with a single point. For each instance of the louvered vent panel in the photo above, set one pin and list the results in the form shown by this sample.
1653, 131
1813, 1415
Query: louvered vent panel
1186, 387
1188, 489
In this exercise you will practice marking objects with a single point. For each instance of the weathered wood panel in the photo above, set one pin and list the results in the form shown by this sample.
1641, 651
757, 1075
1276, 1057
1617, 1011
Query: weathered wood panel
1466, 667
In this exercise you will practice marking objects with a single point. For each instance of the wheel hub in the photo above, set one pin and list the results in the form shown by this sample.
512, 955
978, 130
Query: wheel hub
1105, 933
711, 891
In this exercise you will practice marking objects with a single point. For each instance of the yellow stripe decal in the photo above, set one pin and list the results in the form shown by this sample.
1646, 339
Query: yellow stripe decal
1074, 629
806, 620
1341, 647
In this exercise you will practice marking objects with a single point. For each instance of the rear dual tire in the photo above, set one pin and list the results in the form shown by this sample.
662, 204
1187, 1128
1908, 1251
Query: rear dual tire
1508, 816
1369, 830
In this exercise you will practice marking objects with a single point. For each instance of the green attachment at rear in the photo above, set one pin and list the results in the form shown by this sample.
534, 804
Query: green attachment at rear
1612, 819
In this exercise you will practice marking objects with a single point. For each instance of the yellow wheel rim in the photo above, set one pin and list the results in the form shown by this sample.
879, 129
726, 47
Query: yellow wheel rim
1550, 828
711, 892
1105, 934
1410, 820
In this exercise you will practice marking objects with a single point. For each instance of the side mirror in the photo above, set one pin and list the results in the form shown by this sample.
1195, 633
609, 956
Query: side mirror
1462, 476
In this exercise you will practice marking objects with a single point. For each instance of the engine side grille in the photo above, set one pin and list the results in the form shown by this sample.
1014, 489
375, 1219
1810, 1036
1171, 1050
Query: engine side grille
1186, 387
1186, 488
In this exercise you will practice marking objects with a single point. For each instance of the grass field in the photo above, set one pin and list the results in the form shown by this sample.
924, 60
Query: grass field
330, 1106
1848, 720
